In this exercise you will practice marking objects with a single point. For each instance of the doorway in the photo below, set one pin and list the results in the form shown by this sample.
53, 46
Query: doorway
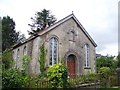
71, 65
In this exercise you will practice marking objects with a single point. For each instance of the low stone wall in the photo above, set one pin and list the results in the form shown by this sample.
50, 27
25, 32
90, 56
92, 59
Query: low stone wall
88, 85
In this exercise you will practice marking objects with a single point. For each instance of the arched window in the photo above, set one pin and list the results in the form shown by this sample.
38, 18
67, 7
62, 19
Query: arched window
18, 54
25, 51
87, 59
53, 46
18, 58
13, 55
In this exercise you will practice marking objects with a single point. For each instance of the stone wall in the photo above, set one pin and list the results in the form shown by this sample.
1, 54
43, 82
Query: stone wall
62, 32
71, 40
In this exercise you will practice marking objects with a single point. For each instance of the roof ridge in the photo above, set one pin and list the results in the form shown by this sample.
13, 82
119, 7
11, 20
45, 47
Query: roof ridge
60, 22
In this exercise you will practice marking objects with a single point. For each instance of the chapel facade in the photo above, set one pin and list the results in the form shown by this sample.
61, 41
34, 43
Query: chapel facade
66, 41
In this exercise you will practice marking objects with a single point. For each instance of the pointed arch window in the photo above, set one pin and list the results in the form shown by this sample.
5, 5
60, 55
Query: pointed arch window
53, 48
18, 54
25, 51
87, 56
13, 55
18, 58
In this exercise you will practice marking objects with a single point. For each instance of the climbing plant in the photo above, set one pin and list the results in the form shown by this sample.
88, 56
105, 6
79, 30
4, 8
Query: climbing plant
43, 53
63, 61
26, 59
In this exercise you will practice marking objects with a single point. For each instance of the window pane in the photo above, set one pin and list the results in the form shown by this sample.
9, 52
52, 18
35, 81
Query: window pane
53, 50
87, 63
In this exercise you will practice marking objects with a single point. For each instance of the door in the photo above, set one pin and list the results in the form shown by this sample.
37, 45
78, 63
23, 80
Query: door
71, 65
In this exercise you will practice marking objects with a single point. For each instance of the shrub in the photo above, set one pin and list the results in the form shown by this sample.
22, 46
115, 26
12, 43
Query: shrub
91, 77
7, 59
104, 74
57, 76
88, 78
118, 60
14, 79
106, 61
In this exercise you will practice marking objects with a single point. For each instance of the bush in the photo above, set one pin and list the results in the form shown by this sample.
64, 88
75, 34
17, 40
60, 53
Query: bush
118, 60
91, 77
14, 79
88, 78
57, 76
104, 74
106, 61
7, 59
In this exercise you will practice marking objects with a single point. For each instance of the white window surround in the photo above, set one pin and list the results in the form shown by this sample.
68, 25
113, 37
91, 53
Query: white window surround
87, 56
53, 50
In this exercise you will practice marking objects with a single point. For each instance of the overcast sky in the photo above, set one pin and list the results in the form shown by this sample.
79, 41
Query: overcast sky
98, 17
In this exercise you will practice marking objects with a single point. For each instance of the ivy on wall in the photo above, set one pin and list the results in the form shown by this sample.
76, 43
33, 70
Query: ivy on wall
26, 59
63, 61
43, 53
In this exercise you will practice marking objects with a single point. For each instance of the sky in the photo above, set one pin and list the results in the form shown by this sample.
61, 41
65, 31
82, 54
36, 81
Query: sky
98, 17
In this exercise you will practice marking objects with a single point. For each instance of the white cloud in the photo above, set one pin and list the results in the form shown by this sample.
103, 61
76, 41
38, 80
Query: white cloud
99, 17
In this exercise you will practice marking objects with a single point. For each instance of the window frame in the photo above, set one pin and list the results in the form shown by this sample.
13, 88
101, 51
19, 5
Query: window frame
53, 44
18, 53
25, 50
87, 56
18, 58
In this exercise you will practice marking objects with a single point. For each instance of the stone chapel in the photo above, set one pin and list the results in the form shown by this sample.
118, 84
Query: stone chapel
66, 41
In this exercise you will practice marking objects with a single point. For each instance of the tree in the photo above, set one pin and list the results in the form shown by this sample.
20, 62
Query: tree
106, 61
0, 35
7, 59
118, 60
21, 38
9, 35
41, 20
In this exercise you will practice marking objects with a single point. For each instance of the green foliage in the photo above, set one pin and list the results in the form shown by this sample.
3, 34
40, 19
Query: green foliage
0, 64
26, 59
7, 59
9, 35
104, 74
88, 78
57, 76
106, 61
43, 53
40, 21
14, 79
91, 77
118, 60
63, 61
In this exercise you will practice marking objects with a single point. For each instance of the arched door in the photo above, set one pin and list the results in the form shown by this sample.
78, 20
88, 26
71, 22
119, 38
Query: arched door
71, 65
